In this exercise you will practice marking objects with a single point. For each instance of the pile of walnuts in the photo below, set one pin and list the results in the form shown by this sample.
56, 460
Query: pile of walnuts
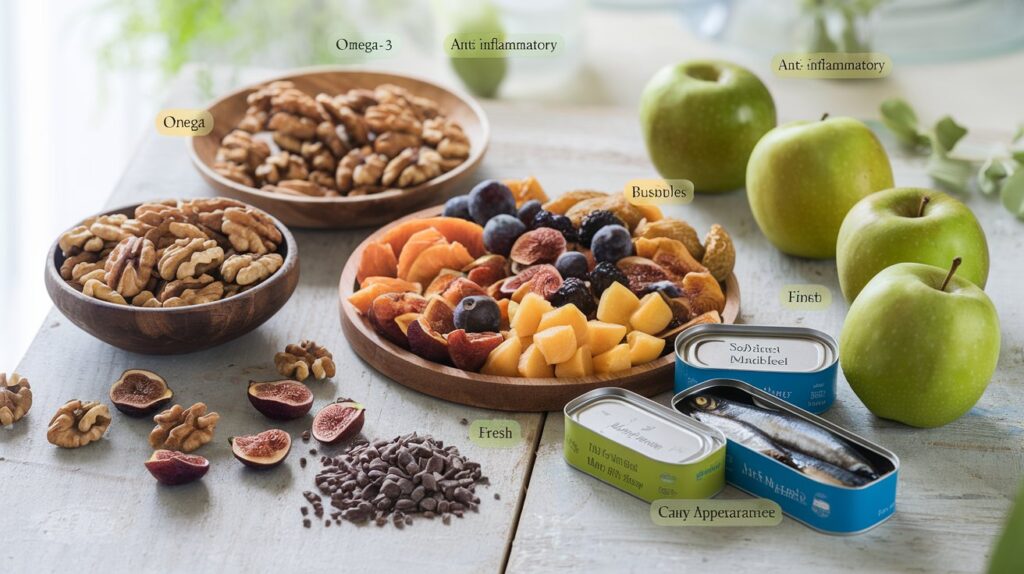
357, 143
172, 253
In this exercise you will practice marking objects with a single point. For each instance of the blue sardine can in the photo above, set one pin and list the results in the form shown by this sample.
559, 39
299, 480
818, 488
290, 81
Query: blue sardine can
796, 364
829, 508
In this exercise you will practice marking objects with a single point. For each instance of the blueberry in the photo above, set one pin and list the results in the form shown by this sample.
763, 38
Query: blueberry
611, 243
501, 232
489, 198
572, 264
528, 211
668, 288
603, 275
574, 291
457, 206
559, 222
593, 222
478, 314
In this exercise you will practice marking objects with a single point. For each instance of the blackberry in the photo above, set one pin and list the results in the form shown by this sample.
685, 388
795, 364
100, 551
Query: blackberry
575, 291
560, 223
603, 275
594, 221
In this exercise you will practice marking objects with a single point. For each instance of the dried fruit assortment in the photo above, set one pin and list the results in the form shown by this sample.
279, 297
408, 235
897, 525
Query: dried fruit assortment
510, 283
356, 143
172, 253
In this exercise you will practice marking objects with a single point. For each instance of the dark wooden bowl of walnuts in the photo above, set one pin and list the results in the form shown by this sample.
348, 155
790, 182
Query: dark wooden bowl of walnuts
173, 277
335, 148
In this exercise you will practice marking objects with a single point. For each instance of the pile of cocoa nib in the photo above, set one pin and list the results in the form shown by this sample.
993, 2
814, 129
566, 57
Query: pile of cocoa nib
397, 478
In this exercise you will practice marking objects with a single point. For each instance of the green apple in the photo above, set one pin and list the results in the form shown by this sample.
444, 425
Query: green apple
1008, 557
804, 176
481, 76
908, 224
920, 344
700, 120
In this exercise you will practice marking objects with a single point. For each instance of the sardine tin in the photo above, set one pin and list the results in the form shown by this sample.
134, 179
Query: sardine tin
829, 508
642, 447
796, 364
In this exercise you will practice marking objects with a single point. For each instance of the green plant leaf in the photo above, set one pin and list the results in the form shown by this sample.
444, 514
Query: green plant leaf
1018, 156
1013, 194
1019, 135
953, 174
991, 175
899, 117
948, 133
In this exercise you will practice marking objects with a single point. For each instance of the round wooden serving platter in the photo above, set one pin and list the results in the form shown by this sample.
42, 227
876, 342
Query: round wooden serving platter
344, 212
488, 391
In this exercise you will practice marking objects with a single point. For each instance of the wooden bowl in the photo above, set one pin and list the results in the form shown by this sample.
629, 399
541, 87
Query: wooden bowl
171, 331
344, 212
489, 391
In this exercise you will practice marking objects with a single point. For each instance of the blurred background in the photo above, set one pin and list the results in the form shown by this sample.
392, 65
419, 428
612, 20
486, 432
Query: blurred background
83, 80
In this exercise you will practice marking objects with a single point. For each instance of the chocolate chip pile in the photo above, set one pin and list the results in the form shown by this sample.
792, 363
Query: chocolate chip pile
397, 478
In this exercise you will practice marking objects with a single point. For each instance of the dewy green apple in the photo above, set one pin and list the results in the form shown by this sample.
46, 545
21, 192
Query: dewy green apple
920, 344
908, 224
700, 119
804, 176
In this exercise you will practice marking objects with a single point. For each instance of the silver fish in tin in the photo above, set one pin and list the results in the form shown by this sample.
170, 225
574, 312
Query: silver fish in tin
744, 434
789, 432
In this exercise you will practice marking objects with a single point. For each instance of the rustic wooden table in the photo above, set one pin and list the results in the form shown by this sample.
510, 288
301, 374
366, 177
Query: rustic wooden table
97, 508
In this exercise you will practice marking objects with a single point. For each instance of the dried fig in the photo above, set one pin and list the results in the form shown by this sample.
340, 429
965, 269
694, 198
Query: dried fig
542, 245
172, 468
641, 272
719, 255
282, 400
673, 229
544, 280
671, 254
704, 293
264, 450
709, 317
460, 289
385, 310
469, 351
487, 269
138, 392
338, 421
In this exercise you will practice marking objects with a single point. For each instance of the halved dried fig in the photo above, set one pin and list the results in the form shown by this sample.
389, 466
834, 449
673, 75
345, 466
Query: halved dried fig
264, 450
338, 421
641, 272
545, 280
282, 400
138, 392
487, 269
172, 468
542, 245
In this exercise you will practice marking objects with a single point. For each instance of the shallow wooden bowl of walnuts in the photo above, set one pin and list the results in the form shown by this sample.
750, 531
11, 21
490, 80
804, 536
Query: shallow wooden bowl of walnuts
183, 315
337, 148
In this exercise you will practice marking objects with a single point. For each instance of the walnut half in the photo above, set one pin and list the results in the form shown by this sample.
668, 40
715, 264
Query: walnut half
78, 423
183, 429
298, 361
15, 398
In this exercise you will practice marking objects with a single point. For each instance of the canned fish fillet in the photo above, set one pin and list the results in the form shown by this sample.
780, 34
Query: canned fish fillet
819, 473
641, 447
796, 364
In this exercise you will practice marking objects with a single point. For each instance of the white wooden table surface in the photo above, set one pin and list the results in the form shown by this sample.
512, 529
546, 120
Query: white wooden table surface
97, 508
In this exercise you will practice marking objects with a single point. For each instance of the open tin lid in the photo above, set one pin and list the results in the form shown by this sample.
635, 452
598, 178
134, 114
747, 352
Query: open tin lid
644, 426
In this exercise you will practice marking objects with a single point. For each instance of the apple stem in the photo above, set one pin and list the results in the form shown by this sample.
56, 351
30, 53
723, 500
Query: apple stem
924, 203
952, 270
823, 117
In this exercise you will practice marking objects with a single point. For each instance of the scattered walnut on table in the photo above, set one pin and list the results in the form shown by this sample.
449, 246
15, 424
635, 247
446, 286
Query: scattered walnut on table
78, 423
15, 398
183, 429
299, 361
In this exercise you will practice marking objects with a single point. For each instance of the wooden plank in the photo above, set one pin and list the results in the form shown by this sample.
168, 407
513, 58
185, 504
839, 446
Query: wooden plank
97, 507
955, 483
